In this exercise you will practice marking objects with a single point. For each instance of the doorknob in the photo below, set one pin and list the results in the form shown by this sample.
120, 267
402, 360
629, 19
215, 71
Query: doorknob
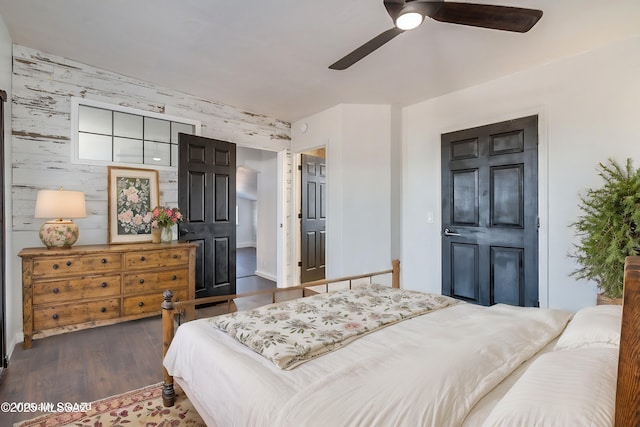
183, 231
448, 232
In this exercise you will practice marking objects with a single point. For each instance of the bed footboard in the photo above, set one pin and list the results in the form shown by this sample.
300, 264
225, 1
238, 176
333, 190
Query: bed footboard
187, 308
168, 313
628, 386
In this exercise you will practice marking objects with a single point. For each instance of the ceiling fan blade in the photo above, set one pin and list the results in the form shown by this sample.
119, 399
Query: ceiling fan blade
503, 18
365, 49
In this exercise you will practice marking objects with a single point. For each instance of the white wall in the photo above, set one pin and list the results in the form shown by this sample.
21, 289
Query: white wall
13, 293
246, 228
589, 111
358, 139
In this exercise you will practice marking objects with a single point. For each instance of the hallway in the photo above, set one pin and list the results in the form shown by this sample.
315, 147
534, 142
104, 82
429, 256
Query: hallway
248, 281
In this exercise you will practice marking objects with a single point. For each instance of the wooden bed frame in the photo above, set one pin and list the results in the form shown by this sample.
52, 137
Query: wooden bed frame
187, 309
628, 383
628, 386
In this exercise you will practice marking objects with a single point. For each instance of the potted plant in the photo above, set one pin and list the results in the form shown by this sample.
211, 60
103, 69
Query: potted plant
608, 228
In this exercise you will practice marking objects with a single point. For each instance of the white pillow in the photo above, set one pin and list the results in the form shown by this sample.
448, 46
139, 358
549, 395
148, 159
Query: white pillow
597, 326
575, 387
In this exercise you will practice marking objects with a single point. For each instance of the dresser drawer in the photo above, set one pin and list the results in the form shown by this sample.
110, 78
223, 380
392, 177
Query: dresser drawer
63, 291
151, 281
62, 266
156, 259
69, 314
149, 303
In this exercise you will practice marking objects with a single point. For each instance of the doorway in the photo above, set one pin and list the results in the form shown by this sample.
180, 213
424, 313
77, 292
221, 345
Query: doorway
490, 213
256, 220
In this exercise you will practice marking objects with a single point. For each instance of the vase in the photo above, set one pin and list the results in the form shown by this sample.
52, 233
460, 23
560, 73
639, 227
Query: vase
166, 235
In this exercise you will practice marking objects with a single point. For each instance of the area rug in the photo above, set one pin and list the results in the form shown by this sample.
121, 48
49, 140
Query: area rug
142, 407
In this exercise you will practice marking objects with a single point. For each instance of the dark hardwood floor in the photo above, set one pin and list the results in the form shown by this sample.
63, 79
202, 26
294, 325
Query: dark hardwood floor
84, 366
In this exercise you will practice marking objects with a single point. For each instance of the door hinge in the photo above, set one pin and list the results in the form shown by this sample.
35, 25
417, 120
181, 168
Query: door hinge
299, 263
538, 223
300, 215
299, 167
5, 362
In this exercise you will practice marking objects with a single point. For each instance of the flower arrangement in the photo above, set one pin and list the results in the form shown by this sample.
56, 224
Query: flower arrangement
163, 217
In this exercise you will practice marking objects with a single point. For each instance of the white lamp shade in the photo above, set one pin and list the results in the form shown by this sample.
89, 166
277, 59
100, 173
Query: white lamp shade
60, 204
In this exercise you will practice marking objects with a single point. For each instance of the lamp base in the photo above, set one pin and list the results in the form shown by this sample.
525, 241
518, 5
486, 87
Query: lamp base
59, 234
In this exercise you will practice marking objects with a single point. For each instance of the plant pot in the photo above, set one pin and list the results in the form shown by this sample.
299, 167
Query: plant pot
605, 300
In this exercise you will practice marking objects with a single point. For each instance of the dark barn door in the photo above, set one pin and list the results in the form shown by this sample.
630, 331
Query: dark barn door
490, 213
207, 198
313, 218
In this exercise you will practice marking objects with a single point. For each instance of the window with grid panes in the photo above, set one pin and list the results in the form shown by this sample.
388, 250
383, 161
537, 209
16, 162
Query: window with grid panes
112, 134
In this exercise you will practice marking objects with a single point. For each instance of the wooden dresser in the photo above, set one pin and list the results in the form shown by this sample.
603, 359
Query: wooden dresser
86, 286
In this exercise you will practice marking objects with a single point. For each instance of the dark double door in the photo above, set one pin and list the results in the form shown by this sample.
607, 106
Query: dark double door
207, 199
490, 213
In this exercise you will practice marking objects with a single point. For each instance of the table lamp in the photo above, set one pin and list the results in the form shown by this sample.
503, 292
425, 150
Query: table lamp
62, 205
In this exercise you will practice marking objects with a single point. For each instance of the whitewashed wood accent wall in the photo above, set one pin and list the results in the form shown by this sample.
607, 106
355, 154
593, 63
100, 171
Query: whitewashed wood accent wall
43, 85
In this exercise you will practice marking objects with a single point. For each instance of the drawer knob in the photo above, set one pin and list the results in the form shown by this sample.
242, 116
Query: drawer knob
141, 281
55, 266
140, 304
55, 316
174, 277
103, 309
142, 258
175, 256
56, 290
103, 284
68, 263
103, 260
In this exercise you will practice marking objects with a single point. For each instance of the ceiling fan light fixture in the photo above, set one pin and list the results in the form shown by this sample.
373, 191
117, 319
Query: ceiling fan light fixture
409, 20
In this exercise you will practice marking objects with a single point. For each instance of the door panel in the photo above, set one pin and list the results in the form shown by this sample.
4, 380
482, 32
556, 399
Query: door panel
206, 196
489, 213
507, 272
464, 271
465, 197
313, 218
506, 196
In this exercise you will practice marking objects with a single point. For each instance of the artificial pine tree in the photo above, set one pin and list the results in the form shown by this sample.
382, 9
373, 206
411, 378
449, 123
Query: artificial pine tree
608, 227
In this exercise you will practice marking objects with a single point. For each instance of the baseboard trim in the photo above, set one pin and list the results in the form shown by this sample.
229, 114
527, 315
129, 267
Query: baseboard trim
246, 245
266, 276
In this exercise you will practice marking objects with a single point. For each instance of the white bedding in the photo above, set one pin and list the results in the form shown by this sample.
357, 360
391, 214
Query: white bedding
429, 370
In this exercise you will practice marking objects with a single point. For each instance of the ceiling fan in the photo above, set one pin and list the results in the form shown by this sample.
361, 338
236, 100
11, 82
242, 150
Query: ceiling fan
409, 14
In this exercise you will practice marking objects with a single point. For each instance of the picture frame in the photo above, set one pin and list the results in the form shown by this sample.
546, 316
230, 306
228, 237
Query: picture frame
132, 195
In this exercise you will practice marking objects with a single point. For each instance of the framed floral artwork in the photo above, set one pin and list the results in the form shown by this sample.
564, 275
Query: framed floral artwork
133, 193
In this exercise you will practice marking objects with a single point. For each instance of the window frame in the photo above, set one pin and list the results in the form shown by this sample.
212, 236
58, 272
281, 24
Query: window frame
76, 102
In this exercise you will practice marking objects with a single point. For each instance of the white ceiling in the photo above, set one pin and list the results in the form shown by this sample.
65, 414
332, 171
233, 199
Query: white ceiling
271, 56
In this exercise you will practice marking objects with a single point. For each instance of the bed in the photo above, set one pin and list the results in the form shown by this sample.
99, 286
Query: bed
429, 361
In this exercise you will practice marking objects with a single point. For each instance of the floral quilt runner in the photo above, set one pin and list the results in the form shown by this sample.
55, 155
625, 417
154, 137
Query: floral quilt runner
292, 332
